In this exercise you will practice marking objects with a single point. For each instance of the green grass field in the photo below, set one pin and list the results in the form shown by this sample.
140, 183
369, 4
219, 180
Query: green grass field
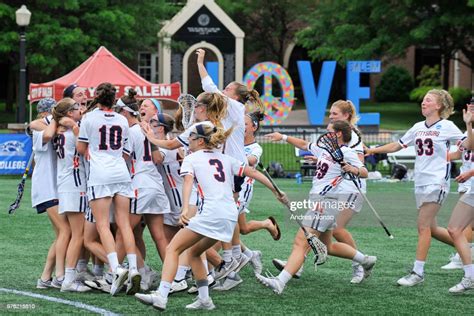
25, 238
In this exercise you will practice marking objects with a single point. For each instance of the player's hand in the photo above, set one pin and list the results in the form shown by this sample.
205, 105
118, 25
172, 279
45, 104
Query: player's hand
463, 177
274, 136
67, 122
61, 129
310, 159
283, 198
146, 128
368, 151
184, 218
349, 168
201, 53
467, 116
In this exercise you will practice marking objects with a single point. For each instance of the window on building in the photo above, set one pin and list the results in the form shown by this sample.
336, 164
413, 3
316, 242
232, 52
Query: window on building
147, 66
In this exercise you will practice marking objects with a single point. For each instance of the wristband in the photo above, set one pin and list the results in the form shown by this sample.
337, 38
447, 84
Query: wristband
284, 137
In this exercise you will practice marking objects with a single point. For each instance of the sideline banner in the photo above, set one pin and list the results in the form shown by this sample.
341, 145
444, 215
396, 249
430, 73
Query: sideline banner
15, 150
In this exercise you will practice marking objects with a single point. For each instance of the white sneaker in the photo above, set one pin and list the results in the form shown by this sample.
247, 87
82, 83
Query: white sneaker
40, 284
357, 274
272, 282
85, 275
75, 286
134, 279
411, 279
466, 284
228, 283
178, 286
243, 261
155, 299
225, 268
202, 304
256, 262
280, 265
368, 265
100, 284
56, 283
119, 278
454, 263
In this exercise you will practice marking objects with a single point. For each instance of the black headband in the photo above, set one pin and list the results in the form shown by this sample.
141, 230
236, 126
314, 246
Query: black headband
68, 92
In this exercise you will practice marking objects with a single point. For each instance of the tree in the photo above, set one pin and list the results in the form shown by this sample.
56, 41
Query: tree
269, 25
63, 33
364, 29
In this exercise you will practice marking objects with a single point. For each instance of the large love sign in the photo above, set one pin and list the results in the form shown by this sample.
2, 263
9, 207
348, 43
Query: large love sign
316, 100
276, 108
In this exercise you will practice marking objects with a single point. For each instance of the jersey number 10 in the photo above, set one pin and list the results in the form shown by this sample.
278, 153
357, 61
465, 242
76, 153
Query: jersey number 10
115, 137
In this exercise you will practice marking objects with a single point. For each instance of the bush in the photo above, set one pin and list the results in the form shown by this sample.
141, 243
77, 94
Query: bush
395, 85
429, 76
461, 97
417, 94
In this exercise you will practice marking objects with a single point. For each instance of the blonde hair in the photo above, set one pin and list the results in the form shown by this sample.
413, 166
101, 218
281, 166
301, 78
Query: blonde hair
214, 136
347, 107
445, 100
62, 108
250, 98
216, 107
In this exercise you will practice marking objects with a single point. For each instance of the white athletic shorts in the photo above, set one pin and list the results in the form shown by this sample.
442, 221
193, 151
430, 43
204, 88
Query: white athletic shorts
149, 201
322, 216
171, 219
215, 228
352, 201
464, 187
433, 193
75, 202
468, 198
109, 190
90, 218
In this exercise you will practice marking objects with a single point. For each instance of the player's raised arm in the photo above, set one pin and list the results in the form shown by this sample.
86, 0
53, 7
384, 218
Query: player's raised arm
297, 142
255, 174
385, 149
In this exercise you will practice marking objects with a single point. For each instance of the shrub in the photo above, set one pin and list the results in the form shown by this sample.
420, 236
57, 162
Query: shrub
461, 97
417, 94
395, 85
429, 76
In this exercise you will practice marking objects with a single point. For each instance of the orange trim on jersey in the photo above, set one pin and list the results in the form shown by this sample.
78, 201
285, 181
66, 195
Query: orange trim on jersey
241, 171
201, 194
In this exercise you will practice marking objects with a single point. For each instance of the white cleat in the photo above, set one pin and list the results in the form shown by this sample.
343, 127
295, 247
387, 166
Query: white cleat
40, 284
228, 283
75, 286
178, 286
465, 285
134, 280
454, 263
368, 265
155, 299
280, 265
256, 262
225, 268
411, 279
119, 279
357, 274
202, 304
100, 284
271, 282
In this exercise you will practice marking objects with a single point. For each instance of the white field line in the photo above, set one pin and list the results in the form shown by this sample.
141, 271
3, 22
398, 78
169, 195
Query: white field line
62, 301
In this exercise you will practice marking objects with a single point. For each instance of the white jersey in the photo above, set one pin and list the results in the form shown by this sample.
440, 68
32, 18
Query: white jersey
234, 145
328, 175
143, 169
432, 145
359, 149
173, 182
214, 173
245, 195
43, 180
71, 171
107, 133
467, 157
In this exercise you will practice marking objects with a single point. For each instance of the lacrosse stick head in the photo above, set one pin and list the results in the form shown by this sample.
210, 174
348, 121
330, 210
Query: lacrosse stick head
329, 143
15, 205
187, 102
319, 249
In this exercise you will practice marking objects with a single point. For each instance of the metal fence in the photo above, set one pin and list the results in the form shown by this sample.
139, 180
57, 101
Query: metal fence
292, 160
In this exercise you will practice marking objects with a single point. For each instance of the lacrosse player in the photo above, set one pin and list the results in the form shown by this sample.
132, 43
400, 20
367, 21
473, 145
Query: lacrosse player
431, 139
324, 195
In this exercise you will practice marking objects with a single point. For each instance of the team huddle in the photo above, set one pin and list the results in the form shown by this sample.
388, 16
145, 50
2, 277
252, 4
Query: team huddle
107, 170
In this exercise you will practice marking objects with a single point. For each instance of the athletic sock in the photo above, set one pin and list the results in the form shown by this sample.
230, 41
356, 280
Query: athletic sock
81, 265
98, 270
469, 271
70, 275
419, 267
284, 276
359, 257
203, 289
132, 261
248, 252
227, 255
181, 273
164, 288
236, 251
113, 261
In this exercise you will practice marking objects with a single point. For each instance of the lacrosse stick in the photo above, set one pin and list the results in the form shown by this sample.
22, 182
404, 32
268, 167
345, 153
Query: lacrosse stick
187, 103
21, 187
328, 142
319, 248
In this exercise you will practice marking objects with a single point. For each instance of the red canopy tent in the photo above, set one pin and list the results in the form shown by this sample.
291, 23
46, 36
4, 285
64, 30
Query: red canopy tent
102, 66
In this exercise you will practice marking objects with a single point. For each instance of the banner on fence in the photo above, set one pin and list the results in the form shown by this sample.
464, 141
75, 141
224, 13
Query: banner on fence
15, 150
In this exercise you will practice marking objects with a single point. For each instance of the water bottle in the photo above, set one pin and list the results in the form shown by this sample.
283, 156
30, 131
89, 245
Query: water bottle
299, 180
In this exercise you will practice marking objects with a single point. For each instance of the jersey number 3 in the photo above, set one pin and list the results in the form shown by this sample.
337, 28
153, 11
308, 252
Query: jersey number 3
424, 147
220, 175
